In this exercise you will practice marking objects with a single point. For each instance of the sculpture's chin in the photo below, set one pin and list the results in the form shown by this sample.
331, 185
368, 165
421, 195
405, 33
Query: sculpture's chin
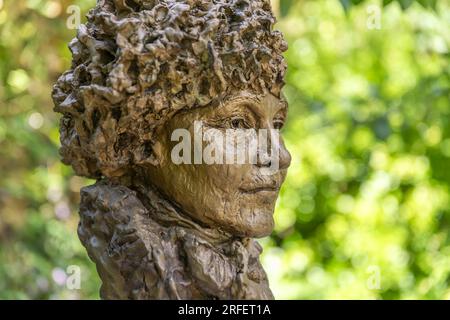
255, 223
258, 231
257, 214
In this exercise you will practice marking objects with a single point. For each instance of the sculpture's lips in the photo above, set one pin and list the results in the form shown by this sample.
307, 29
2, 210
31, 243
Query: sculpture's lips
256, 189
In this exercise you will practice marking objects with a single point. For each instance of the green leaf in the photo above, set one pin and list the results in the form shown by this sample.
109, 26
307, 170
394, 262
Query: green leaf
285, 6
428, 3
405, 4
346, 4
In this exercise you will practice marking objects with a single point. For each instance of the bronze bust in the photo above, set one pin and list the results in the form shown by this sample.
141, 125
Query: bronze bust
142, 69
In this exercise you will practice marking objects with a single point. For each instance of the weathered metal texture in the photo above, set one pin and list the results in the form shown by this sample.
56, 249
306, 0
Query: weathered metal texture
141, 69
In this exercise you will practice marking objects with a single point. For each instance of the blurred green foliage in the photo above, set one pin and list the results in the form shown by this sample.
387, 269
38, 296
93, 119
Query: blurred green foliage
38, 195
365, 210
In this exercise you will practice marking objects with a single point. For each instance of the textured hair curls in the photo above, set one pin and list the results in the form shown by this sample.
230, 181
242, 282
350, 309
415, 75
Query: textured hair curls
137, 62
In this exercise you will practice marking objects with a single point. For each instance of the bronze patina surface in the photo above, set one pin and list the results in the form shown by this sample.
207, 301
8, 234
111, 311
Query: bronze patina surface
142, 69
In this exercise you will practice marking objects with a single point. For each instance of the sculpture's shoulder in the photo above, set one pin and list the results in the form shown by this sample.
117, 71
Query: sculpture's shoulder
133, 253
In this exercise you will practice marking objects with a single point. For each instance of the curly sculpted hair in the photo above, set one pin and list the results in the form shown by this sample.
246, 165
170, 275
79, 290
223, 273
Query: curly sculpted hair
137, 62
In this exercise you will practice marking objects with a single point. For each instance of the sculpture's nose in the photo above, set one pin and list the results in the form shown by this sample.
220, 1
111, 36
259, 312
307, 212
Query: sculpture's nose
276, 152
285, 156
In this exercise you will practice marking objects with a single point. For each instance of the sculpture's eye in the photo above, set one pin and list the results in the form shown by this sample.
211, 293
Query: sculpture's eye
238, 123
278, 124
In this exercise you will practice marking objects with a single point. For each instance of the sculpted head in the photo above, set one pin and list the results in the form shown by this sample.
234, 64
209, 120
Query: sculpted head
143, 69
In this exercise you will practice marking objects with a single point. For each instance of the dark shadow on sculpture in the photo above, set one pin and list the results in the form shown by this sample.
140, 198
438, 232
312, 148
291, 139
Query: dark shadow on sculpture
142, 69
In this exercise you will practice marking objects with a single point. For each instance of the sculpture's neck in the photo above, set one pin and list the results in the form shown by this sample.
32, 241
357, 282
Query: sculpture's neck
168, 214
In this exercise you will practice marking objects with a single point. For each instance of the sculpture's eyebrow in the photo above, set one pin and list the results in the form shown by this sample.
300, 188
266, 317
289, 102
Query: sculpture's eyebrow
253, 104
250, 103
250, 99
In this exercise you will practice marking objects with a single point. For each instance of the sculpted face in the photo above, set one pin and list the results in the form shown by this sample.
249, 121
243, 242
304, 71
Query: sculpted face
237, 197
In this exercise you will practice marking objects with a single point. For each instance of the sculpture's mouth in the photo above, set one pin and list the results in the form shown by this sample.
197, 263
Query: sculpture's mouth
261, 188
261, 184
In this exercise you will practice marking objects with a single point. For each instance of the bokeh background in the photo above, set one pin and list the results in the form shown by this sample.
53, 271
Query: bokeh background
365, 210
